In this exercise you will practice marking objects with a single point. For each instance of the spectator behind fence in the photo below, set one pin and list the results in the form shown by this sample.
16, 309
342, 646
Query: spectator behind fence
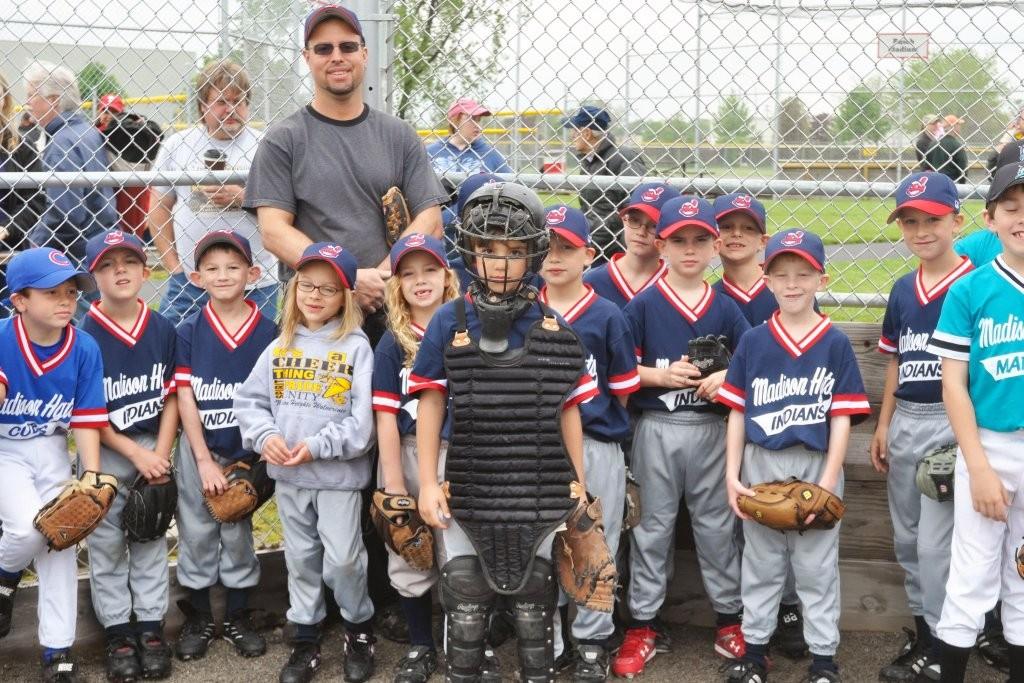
940, 148
955, 150
1009, 149
600, 155
928, 140
71, 144
180, 216
132, 144
465, 150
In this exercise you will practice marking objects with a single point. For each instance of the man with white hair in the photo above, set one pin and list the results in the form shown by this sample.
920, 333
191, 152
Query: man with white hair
72, 143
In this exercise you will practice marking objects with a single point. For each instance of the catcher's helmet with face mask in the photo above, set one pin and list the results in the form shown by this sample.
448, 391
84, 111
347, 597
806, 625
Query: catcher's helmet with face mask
502, 212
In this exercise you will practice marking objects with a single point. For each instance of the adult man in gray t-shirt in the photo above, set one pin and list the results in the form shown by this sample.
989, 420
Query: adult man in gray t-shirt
319, 174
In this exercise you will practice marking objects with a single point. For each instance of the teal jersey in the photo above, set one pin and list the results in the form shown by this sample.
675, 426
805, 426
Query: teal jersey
982, 324
981, 247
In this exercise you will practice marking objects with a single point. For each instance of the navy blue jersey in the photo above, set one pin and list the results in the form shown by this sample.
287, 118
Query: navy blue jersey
789, 390
757, 303
663, 326
428, 370
138, 367
609, 282
910, 318
611, 361
214, 363
50, 389
391, 384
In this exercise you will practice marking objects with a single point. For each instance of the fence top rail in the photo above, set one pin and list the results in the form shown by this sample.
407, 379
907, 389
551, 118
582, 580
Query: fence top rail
549, 182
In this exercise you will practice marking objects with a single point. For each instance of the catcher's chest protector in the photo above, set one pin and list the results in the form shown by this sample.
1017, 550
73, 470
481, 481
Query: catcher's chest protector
507, 468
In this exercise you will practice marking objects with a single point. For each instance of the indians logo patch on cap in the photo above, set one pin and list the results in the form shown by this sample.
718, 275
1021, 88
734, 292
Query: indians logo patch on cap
330, 251
793, 239
690, 208
917, 187
415, 240
555, 216
651, 194
114, 237
742, 201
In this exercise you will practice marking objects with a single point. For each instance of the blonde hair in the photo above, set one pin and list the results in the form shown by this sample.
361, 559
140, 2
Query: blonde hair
351, 315
8, 127
221, 74
400, 314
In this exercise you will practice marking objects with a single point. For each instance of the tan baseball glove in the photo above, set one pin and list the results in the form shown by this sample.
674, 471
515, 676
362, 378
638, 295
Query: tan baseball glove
786, 505
239, 500
586, 568
77, 510
400, 526
396, 215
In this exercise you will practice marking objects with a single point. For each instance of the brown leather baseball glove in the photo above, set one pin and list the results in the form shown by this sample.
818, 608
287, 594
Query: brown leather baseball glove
586, 568
396, 215
77, 510
786, 505
400, 526
632, 508
238, 500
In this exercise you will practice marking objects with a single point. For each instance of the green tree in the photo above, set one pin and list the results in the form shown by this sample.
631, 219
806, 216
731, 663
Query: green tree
444, 49
793, 121
956, 81
864, 115
734, 121
94, 80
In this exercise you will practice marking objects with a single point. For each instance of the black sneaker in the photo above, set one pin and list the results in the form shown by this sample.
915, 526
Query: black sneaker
930, 669
662, 636
417, 666
490, 670
358, 656
60, 669
302, 665
788, 638
8, 587
154, 655
566, 660
123, 665
390, 623
196, 634
591, 664
902, 668
239, 631
993, 648
746, 671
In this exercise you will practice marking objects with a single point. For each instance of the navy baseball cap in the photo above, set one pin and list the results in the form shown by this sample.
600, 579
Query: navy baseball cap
43, 268
684, 211
744, 203
568, 223
418, 242
931, 192
589, 116
321, 14
100, 244
229, 237
803, 243
343, 262
648, 198
471, 185
1005, 177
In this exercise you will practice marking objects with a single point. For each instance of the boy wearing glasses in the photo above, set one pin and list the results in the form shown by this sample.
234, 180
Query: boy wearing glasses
216, 350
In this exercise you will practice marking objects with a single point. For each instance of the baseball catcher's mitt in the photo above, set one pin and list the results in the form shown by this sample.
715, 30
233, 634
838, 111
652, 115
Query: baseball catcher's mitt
239, 500
785, 505
586, 568
149, 508
631, 510
396, 215
935, 473
400, 525
709, 354
76, 510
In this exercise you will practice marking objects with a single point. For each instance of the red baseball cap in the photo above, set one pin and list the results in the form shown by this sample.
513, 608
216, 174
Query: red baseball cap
112, 102
467, 105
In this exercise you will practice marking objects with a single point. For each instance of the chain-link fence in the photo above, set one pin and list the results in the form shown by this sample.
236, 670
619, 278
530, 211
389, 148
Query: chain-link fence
816, 107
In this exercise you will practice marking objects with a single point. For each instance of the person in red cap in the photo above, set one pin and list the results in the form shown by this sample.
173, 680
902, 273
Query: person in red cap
465, 150
107, 107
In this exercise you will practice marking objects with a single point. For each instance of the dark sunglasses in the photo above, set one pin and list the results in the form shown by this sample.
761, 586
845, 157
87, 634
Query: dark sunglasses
327, 49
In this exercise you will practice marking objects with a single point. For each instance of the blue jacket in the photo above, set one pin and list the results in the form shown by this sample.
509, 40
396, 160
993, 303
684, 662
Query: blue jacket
75, 213
479, 157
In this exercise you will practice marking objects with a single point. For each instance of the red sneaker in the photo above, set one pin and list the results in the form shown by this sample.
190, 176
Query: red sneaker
637, 649
729, 642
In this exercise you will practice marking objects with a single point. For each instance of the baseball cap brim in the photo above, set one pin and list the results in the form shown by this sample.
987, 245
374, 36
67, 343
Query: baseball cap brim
211, 241
749, 212
474, 110
337, 269
926, 205
124, 245
646, 209
797, 252
82, 279
673, 228
408, 250
569, 236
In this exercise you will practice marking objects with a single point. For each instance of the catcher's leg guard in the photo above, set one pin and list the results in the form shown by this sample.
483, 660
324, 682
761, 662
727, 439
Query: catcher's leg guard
533, 609
467, 600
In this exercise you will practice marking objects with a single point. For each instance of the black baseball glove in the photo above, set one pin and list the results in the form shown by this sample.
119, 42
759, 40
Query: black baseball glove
709, 354
149, 508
